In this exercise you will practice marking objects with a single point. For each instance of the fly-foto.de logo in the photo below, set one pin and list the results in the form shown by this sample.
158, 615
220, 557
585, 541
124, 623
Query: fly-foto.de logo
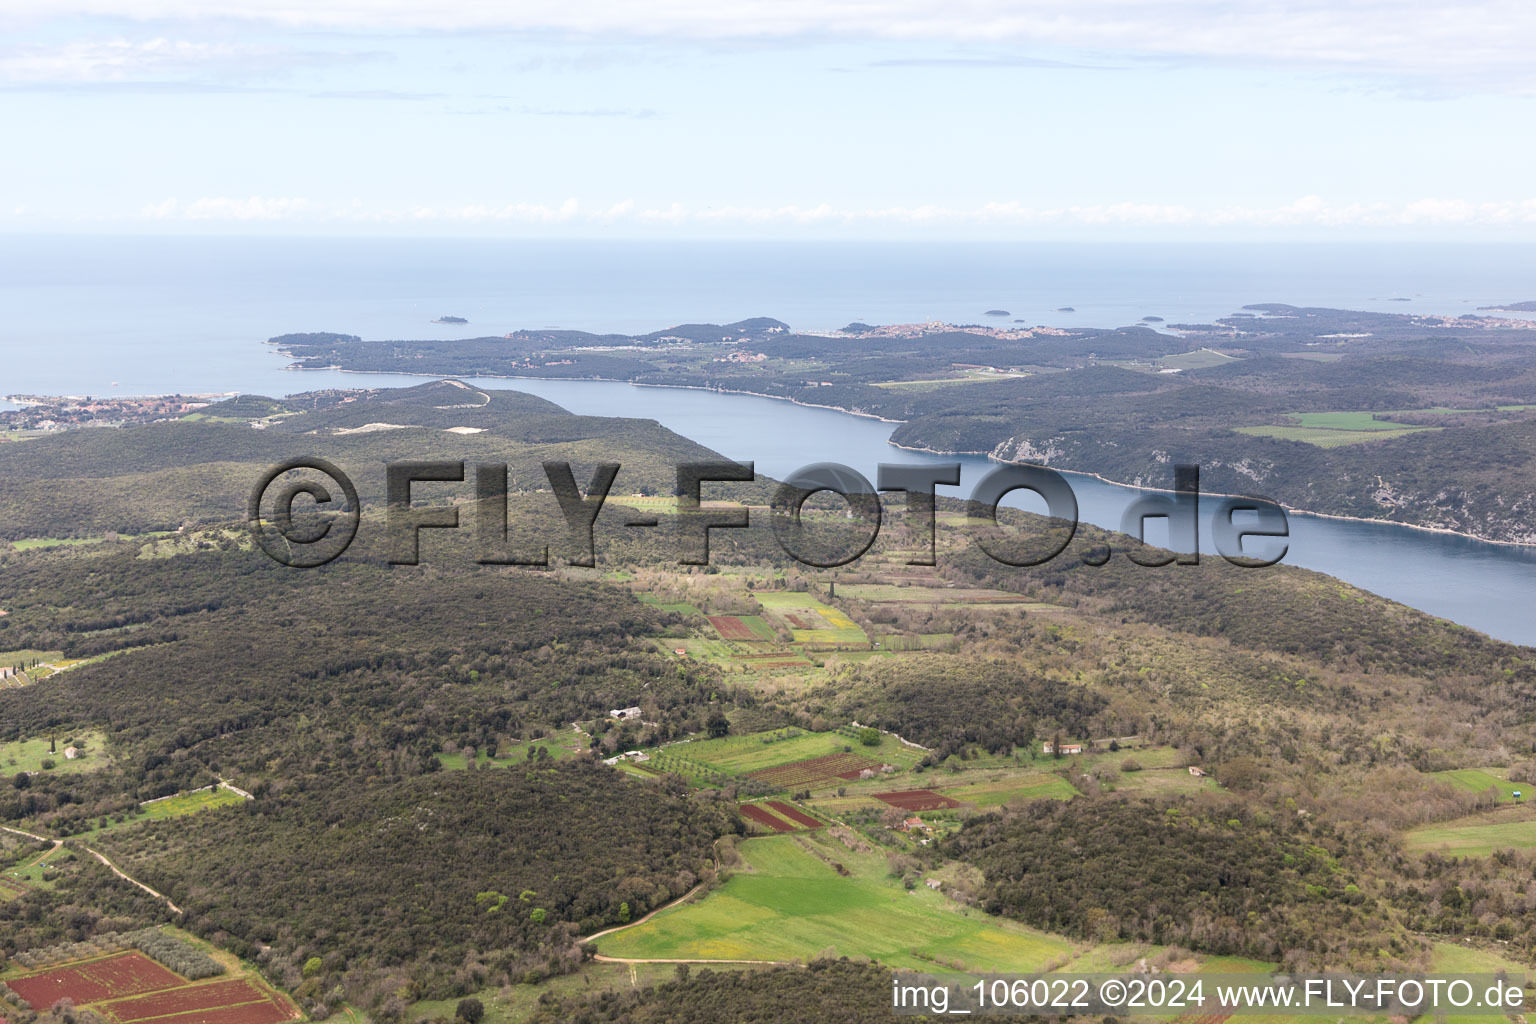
305, 512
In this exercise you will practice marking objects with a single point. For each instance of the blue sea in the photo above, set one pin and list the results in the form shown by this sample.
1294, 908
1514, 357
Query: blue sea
158, 315
151, 316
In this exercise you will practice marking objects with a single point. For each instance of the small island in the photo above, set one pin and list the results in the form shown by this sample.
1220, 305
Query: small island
1065, 309
1512, 307
450, 320
997, 312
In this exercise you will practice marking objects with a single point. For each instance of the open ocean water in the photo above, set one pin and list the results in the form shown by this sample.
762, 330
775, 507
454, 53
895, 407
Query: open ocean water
149, 316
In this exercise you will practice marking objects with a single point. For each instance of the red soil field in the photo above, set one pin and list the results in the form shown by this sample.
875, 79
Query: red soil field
196, 997
816, 769
268, 1011
752, 812
731, 628
127, 974
918, 800
794, 814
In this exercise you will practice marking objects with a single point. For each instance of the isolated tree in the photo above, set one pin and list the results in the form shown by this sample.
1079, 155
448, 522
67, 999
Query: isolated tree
717, 724
470, 1010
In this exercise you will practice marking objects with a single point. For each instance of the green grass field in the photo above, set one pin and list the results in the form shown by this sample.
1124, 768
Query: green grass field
1477, 836
34, 543
29, 755
1158, 783
1476, 780
1331, 429
829, 626
178, 806
680, 607
965, 377
1328, 437
1460, 958
26, 657
890, 593
189, 803
996, 792
792, 905
33, 870
743, 754
1197, 359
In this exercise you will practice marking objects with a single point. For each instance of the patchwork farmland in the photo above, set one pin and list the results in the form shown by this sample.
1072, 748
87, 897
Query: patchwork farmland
779, 817
131, 987
816, 770
125, 974
917, 800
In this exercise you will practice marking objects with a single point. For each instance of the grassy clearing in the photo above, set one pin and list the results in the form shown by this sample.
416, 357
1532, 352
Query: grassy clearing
680, 607
27, 657
825, 625
1459, 958
664, 505
890, 593
1478, 836
966, 377
1346, 420
178, 806
1198, 359
1147, 757
34, 543
31, 755
189, 803
998, 791
1477, 780
792, 905
33, 665
1328, 438
1158, 783
749, 753
1462, 958
34, 871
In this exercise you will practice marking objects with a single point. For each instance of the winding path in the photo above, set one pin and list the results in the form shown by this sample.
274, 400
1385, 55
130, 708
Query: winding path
130, 880
119, 872
669, 960
620, 927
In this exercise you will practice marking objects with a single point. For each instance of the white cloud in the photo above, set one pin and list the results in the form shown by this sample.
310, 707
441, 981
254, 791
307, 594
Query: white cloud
255, 208
1307, 211
88, 62
1474, 42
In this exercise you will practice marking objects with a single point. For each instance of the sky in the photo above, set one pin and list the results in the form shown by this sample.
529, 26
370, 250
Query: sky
902, 119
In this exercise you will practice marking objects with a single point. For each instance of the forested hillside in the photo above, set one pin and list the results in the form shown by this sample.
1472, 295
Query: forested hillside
392, 787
